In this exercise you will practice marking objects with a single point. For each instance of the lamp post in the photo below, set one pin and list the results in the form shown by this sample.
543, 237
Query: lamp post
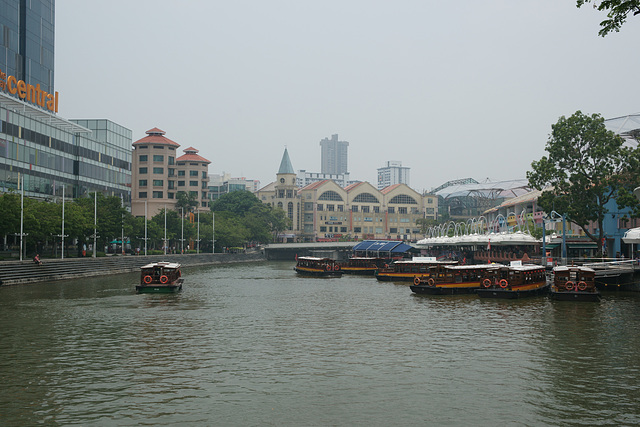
62, 236
164, 245
182, 231
198, 239
213, 234
95, 221
21, 234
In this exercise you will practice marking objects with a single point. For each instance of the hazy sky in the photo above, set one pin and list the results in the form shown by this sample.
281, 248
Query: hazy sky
453, 89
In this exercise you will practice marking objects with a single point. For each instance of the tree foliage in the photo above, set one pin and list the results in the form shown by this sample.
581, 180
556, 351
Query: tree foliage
617, 12
587, 166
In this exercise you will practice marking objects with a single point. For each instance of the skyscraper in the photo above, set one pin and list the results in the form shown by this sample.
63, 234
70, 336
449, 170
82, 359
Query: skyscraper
334, 155
27, 41
393, 173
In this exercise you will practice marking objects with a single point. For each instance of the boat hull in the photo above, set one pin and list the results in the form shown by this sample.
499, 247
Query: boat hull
575, 296
500, 293
309, 272
359, 271
443, 290
159, 289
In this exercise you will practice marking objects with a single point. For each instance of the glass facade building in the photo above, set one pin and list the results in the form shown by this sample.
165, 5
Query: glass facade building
27, 30
49, 152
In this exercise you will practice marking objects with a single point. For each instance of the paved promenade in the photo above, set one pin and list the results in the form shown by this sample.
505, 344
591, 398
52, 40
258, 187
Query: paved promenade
19, 272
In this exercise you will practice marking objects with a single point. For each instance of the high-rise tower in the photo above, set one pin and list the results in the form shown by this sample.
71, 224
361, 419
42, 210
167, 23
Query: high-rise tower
27, 41
334, 155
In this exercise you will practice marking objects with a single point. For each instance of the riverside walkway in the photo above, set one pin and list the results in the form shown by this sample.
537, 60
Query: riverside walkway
20, 272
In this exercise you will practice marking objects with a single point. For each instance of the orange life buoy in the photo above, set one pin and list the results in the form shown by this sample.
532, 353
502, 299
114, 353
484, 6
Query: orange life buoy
582, 286
504, 283
431, 282
486, 283
328, 267
569, 285
416, 280
147, 279
336, 267
164, 279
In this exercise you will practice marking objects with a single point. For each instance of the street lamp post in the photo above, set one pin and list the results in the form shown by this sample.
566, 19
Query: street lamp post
182, 231
95, 221
213, 234
165, 230
198, 240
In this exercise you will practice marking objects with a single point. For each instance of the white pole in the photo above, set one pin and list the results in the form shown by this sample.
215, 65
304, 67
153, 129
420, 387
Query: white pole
21, 215
122, 220
182, 231
213, 234
198, 251
145, 228
95, 221
62, 236
165, 229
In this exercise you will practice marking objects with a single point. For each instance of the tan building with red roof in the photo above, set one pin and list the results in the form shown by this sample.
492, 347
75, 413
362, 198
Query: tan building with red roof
325, 211
158, 174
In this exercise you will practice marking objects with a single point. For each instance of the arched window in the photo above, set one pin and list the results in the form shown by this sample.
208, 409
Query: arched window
330, 195
280, 205
403, 199
290, 210
365, 198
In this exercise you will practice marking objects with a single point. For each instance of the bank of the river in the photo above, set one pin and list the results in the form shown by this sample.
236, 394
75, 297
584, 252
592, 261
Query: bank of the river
20, 272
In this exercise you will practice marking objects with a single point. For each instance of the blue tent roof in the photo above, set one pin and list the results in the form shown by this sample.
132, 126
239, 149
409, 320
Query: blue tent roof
381, 246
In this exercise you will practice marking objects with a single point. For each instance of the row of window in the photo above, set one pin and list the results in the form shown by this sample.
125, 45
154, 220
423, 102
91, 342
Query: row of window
75, 150
170, 195
171, 184
370, 209
171, 172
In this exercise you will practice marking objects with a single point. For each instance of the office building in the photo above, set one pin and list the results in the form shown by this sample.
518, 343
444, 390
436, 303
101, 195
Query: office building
391, 174
334, 156
223, 184
27, 28
305, 178
158, 175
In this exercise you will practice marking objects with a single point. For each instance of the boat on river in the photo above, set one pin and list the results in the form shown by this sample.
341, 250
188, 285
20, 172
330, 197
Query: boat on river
406, 271
366, 266
160, 278
513, 281
317, 267
574, 283
443, 279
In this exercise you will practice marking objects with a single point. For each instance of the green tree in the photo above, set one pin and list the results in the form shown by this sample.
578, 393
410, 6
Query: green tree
617, 12
586, 167
237, 202
425, 223
185, 200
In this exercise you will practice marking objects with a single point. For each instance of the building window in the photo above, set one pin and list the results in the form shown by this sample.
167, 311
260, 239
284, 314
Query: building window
393, 230
158, 182
180, 183
158, 158
320, 207
193, 173
158, 147
365, 209
143, 157
180, 173
366, 198
204, 195
169, 195
171, 160
391, 209
290, 210
157, 194
142, 195
204, 175
331, 208
171, 184
430, 201
193, 183
142, 171
330, 195
357, 229
343, 229
340, 208
403, 199
323, 229
142, 146
204, 204
171, 172
402, 210
354, 209
376, 209
158, 171
142, 183
194, 194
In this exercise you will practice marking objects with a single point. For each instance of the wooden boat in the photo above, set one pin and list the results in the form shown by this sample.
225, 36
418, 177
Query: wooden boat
160, 278
406, 271
317, 267
574, 283
513, 281
363, 265
450, 279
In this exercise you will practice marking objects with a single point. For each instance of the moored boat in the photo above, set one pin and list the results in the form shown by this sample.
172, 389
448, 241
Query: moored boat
574, 283
317, 267
160, 278
513, 281
450, 279
363, 265
406, 271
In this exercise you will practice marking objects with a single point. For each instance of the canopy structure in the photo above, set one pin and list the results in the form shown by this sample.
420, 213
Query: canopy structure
379, 247
500, 239
632, 236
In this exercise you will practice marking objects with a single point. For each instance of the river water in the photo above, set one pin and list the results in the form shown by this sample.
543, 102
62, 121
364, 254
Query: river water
255, 345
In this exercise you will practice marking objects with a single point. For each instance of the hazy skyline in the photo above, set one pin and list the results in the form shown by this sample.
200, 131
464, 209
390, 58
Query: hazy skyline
450, 89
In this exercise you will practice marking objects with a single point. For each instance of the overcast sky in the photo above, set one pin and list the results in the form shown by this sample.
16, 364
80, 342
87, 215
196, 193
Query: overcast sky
452, 89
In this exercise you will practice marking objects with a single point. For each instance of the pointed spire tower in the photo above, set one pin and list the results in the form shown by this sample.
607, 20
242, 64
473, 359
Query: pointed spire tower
286, 176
